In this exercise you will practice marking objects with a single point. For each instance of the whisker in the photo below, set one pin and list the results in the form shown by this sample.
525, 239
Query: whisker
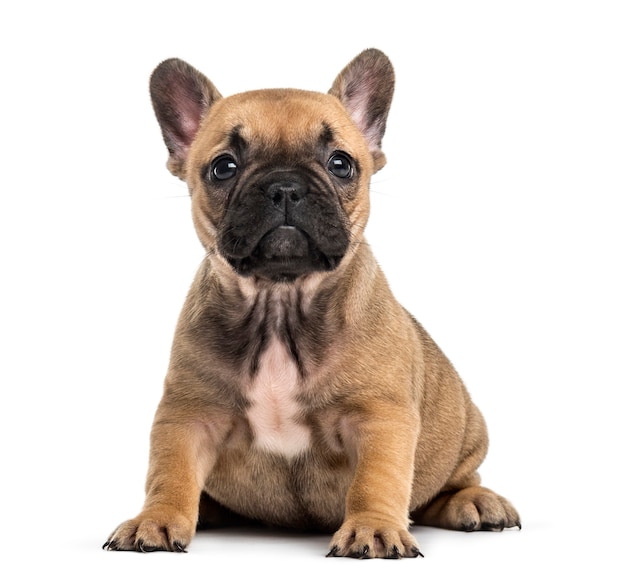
175, 196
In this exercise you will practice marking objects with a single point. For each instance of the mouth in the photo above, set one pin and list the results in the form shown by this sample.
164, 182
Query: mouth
283, 254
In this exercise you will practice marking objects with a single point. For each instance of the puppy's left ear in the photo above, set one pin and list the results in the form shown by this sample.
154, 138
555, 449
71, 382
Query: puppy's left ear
181, 96
365, 88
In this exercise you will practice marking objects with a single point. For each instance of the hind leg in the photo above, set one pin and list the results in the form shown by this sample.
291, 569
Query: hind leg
462, 503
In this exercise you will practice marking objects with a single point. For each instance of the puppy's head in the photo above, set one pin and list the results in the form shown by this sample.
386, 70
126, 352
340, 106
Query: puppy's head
279, 178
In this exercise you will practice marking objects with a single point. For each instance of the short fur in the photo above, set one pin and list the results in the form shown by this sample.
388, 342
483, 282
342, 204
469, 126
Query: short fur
300, 393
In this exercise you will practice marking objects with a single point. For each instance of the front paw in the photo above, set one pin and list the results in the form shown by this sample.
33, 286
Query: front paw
363, 537
157, 529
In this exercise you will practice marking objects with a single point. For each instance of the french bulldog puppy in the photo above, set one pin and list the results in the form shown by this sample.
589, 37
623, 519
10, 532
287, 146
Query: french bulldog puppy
300, 394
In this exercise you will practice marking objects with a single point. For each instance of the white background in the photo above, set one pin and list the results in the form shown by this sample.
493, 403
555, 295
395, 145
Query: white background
499, 221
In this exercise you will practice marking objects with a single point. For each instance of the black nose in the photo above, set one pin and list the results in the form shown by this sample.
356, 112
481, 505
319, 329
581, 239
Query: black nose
287, 192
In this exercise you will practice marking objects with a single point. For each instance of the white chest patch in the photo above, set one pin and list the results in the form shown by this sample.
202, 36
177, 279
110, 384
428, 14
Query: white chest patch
274, 410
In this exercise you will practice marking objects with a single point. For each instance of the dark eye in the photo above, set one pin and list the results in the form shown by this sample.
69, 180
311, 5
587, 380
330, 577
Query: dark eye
224, 168
340, 165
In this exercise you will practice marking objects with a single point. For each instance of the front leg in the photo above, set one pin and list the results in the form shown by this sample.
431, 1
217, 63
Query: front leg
182, 452
377, 504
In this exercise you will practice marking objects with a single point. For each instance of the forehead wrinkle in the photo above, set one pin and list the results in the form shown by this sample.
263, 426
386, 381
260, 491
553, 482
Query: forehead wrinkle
285, 141
279, 116
285, 123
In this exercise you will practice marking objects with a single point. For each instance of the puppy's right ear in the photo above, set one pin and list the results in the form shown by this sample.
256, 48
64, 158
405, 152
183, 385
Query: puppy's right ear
181, 96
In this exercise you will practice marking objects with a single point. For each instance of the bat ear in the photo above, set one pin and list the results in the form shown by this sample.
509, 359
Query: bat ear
365, 88
181, 96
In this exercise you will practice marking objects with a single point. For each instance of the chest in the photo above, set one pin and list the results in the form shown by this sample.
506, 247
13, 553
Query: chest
275, 414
